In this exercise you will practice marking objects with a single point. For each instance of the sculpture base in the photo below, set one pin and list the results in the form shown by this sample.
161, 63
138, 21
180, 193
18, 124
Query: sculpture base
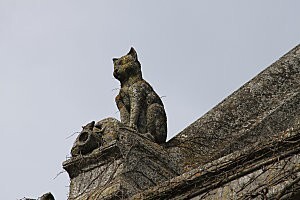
126, 166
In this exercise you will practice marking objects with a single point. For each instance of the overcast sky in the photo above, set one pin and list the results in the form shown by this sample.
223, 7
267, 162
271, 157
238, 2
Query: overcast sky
56, 69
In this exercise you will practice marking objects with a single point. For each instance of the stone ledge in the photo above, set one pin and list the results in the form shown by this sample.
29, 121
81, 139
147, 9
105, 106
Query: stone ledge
76, 165
130, 164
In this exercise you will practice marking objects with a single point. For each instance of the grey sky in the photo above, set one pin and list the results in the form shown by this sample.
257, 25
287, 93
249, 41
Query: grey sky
56, 69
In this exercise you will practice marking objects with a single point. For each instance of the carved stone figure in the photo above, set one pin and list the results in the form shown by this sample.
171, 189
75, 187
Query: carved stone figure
139, 105
47, 196
95, 135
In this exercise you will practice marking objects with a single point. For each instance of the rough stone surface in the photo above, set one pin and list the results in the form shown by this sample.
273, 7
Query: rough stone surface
247, 147
262, 171
140, 106
264, 106
94, 136
130, 164
47, 196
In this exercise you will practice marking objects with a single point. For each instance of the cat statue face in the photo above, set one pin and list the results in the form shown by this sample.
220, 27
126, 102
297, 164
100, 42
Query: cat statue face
127, 66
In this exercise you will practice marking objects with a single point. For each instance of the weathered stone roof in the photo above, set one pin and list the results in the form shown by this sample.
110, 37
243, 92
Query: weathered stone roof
258, 111
263, 171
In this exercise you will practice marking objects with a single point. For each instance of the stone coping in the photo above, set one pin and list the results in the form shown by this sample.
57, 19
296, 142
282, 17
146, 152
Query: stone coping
268, 101
79, 164
228, 168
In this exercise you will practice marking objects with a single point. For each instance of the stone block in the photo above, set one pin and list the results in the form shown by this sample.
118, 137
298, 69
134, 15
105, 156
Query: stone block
128, 165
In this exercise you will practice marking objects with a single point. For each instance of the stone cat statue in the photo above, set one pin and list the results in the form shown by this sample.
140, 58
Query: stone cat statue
139, 105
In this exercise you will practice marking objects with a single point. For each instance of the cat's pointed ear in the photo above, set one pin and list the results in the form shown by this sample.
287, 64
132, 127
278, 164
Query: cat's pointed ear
133, 53
115, 59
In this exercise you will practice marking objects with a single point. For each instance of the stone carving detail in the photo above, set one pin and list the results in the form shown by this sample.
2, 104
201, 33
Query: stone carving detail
139, 105
95, 135
128, 165
113, 159
47, 196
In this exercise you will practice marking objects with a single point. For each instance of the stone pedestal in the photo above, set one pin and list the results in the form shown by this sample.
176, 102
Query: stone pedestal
127, 165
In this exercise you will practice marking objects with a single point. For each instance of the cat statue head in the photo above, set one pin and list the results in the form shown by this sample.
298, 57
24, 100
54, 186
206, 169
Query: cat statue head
127, 67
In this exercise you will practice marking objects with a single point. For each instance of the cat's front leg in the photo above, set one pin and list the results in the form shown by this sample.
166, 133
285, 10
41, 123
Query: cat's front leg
124, 115
135, 95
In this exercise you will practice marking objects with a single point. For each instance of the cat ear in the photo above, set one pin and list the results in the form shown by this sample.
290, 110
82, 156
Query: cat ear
115, 59
133, 53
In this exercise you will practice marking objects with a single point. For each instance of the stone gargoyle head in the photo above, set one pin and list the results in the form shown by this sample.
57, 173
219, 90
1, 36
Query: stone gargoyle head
95, 135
